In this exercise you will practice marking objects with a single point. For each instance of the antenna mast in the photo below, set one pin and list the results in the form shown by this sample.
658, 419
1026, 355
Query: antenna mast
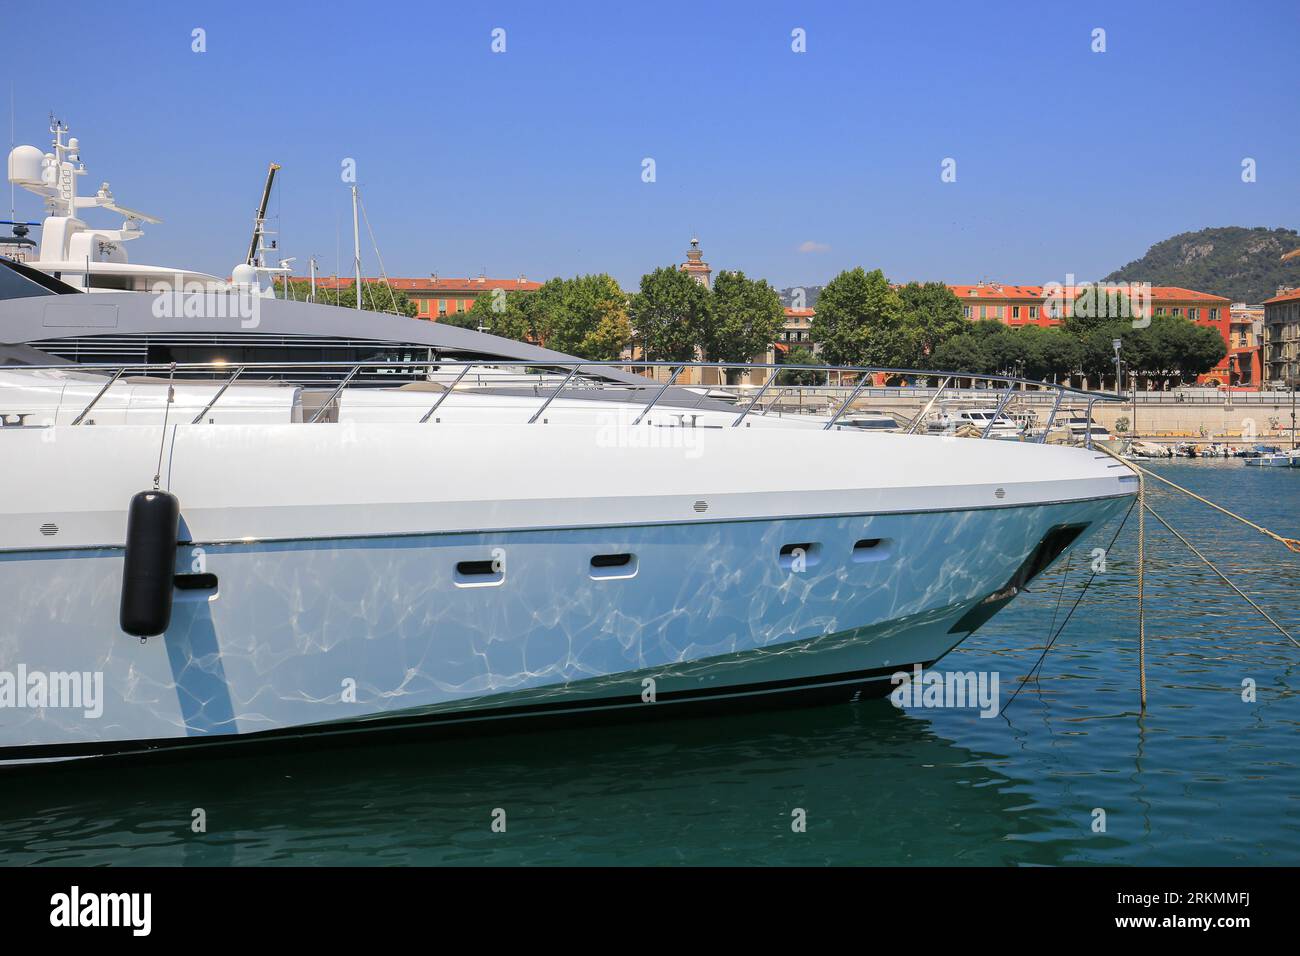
259, 224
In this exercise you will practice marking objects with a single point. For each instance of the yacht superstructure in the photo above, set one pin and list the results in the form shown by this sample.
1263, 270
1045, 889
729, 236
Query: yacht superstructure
88, 258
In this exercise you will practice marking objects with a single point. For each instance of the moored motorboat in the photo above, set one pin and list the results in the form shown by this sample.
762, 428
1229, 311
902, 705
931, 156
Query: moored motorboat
376, 567
1277, 459
984, 419
243, 518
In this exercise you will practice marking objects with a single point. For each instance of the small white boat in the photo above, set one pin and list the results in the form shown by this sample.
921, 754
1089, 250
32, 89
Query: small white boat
1147, 451
1279, 459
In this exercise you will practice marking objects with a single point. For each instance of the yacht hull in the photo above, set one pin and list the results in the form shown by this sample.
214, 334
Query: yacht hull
343, 634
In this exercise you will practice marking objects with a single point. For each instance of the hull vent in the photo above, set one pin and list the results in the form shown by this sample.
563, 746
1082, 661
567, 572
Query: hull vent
1045, 552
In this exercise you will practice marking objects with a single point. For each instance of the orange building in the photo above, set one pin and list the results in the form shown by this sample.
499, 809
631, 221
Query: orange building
1037, 305
1246, 345
1282, 337
434, 297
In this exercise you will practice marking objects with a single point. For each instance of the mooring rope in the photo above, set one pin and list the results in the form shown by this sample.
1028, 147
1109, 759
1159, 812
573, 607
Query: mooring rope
1142, 613
1223, 577
1086, 584
1292, 543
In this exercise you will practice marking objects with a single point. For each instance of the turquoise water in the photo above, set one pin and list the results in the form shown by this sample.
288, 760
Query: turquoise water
1202, 778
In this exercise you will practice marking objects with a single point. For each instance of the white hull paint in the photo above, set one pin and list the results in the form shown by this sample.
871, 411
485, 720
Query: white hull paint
336, 551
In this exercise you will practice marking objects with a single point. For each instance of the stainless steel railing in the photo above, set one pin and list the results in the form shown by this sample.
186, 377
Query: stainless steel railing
588, 379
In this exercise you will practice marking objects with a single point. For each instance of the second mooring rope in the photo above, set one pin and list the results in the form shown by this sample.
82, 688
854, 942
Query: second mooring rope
1223, 577
1292, 543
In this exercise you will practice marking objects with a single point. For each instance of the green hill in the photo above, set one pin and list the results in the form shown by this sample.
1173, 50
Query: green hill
1242, 264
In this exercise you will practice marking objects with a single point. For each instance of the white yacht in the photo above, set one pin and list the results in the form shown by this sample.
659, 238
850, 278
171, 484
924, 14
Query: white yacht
955, 417
89, 258
1079, 428
360, 557
251, 518
1278, 459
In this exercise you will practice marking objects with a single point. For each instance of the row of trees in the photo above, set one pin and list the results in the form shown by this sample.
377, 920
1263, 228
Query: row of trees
671, 318
1169, 349
863, 320
584, 316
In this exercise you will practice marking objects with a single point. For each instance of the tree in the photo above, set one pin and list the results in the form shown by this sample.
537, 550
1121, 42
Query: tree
859, 320
932, 314
745, 318
800, 355
1099, 305
1096, 346
1050, 352
584, 316
1001, 349
669, 315
1173, 347
963, 353
511, 315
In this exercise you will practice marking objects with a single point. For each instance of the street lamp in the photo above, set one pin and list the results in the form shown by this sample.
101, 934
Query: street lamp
1117, 344
1292, 383
1133, 426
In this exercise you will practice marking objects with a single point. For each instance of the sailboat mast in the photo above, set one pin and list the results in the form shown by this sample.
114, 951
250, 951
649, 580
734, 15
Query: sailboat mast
356, 245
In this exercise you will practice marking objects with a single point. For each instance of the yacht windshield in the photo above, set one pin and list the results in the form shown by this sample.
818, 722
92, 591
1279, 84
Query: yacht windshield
18, 281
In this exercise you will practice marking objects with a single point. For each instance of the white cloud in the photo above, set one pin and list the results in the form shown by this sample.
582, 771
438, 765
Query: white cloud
811, 246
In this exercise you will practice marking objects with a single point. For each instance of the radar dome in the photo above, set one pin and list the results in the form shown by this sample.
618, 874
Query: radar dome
25, 165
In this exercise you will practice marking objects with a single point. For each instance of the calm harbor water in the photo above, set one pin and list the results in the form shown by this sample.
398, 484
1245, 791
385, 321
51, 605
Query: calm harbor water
1202, 778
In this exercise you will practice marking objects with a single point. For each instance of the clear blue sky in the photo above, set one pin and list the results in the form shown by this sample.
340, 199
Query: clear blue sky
530, 161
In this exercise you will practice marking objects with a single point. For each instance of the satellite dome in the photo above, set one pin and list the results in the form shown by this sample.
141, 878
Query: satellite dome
25, 165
